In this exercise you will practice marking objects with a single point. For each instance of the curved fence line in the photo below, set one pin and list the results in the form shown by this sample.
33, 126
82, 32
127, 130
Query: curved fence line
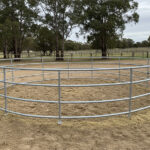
58, 71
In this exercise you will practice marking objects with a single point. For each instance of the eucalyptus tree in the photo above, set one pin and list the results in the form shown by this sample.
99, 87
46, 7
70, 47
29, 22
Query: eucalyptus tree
5, 37
20, 16
148, 40
104, 20
45, 40
58, 17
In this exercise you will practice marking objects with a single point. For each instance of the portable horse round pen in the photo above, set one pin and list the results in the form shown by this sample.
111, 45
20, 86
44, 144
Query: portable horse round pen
74, 89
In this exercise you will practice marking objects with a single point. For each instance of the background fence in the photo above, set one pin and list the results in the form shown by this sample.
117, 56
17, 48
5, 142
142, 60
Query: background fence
132, 52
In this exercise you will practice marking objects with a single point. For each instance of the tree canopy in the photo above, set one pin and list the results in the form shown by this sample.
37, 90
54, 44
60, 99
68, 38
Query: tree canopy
105, 20
17, 19
46, 24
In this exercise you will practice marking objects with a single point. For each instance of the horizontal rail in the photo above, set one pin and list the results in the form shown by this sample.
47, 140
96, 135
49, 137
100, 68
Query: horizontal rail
78, 69
100, 57
78, 85
75, 117
129, 68
75, 102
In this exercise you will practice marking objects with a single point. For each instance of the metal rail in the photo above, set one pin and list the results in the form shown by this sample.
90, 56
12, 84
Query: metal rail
133, 68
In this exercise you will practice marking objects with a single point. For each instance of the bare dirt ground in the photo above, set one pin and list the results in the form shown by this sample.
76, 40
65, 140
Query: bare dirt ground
113, 133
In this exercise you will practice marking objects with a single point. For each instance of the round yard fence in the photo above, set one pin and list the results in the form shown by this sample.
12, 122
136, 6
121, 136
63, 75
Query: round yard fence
75, 88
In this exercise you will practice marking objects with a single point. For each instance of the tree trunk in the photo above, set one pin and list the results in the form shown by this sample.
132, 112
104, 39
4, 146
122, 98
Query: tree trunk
62, 55
50, 52
104, 53
15, 49
28, 51
57, 55
5, 53
17, 55
57, 51
104, 48
5, 50
62, 51
63, 41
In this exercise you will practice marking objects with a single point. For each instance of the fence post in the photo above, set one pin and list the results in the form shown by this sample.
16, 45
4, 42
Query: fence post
68, 67
121, 54
148, 72
5, 89
147, 54
42, 68
119, 68
91, 65
108, 54
12, 71
71, 56
59, 98
143, 54
130, 92
132, 54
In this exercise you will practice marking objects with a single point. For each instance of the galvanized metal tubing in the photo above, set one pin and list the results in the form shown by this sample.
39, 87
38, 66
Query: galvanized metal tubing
12, 67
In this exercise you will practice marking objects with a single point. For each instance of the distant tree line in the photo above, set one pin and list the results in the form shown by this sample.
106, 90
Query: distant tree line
45, 25
129, 43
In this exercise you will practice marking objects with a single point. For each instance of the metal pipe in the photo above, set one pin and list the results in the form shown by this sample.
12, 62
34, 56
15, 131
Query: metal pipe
59, 85
12, 70
5, 89
92, 66
43, 68
130, 93
68, 68
81, 69
59, 98
119, 68
148, 72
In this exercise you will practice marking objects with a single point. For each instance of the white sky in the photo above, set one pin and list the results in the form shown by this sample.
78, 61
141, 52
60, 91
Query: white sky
137, 32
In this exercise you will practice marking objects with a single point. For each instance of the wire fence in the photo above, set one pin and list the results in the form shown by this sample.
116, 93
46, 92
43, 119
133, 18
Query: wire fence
94, 53
130, 71
131, 52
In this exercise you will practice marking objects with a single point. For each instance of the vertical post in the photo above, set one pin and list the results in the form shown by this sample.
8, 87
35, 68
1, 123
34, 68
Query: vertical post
59, 98
11, 61
5, 89
91, 65
71, 56
119, 68
148, 72
11, 55
68, 67
147, 54
12, 71
130, 92
133, 54
42, 68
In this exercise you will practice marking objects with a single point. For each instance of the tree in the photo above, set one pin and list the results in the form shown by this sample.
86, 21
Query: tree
125, 43
58, 17
29, 44
5, 36
105, 20
72, 45
144, 43
148, 40
45, 40
20, 16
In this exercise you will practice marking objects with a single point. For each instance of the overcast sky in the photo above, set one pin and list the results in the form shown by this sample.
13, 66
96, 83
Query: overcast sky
137, 32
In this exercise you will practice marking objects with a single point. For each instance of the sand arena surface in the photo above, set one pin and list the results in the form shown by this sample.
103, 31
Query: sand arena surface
113, 133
